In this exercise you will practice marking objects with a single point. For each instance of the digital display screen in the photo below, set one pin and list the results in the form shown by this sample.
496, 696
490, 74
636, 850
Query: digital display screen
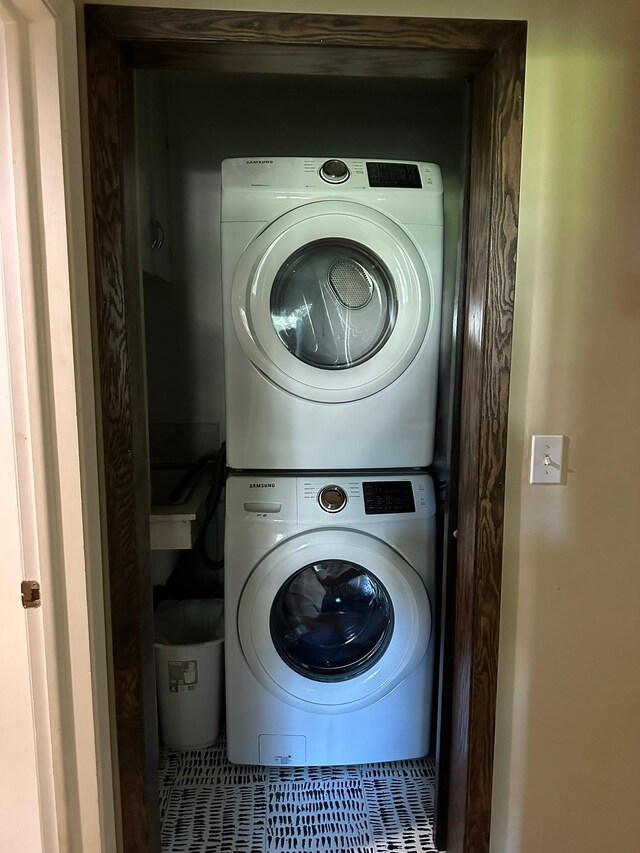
383, 498
403, 175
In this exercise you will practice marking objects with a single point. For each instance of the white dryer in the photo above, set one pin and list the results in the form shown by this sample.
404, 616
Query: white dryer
329, 595
332, 279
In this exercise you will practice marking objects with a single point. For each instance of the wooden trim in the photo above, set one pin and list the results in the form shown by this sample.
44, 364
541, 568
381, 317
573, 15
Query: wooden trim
308, 59
493, 228
492, 53
124, 432
450, 525
135, 23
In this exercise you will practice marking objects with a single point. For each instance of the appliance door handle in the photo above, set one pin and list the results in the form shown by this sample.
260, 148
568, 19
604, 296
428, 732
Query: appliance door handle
262, 506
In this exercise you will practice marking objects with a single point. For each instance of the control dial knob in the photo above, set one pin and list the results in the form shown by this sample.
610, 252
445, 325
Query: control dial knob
332, 498
334, 171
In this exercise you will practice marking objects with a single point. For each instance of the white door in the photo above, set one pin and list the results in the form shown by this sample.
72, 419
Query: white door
53, 794
332, 620
332, 301
20, 801
23, 783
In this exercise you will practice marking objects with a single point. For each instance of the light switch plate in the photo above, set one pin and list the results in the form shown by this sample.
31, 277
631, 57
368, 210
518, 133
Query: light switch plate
547, 459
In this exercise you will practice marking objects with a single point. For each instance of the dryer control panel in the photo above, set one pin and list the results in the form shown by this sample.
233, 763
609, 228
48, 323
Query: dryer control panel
329, 174
394, 174
260, 189
405, 175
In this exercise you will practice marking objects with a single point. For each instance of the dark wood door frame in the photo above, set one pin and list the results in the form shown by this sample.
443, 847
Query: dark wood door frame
491, 55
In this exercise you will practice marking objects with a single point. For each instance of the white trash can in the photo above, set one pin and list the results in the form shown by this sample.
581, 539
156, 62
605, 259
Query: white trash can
189, 637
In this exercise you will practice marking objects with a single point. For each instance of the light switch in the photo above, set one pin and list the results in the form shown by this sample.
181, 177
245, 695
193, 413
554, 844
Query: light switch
547, 459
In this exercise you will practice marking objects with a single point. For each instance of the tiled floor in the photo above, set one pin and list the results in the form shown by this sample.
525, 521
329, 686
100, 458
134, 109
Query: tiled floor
210, 806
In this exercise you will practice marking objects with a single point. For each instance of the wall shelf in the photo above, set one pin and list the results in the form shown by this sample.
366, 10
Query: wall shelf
177, 526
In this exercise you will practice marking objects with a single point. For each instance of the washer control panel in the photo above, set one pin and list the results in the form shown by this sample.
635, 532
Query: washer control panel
337, 499
348, 499
382, 498
332, 498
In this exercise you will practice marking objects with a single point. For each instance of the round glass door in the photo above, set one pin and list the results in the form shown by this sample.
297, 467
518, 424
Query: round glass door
332, 301
321, 632
333, 304
331, 620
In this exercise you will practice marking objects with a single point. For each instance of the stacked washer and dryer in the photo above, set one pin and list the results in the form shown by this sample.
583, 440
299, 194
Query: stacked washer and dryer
332, 279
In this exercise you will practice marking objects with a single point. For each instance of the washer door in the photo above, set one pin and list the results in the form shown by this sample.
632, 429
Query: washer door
331, 301
332, 620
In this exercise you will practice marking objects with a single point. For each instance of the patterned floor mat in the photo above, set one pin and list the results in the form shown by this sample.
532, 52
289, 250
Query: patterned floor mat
210, 806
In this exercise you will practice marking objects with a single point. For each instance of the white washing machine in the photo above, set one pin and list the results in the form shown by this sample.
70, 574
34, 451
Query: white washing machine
329, 595
332, 279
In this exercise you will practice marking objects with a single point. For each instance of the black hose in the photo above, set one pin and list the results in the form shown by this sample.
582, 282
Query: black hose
213, 499
185, 486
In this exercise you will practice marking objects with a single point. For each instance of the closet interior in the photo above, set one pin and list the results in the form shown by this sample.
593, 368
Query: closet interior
186, 125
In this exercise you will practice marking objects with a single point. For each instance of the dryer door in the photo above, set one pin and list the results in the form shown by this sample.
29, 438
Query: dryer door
332, 301
332, 620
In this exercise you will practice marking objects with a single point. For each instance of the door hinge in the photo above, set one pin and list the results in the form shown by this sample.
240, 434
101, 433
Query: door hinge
30, 594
